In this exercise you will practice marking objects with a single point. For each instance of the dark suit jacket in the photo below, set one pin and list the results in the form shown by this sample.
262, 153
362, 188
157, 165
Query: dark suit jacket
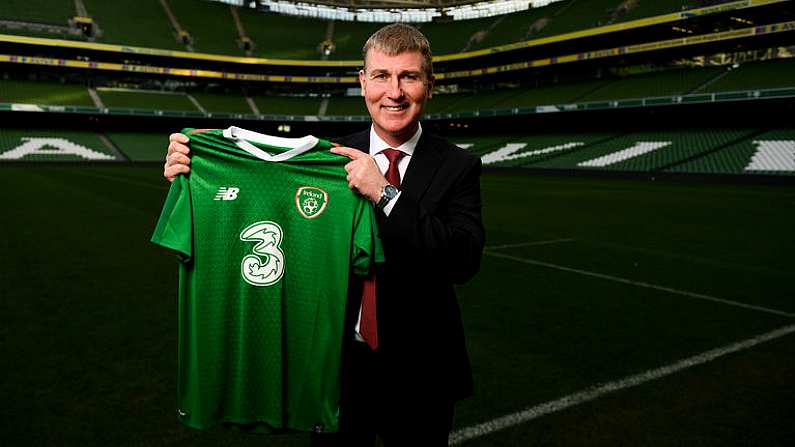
432, 239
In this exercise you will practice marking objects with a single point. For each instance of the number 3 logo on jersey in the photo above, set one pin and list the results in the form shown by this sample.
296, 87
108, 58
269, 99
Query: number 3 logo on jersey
266, 266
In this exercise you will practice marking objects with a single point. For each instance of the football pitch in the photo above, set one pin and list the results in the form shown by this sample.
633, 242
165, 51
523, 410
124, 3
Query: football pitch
606, 312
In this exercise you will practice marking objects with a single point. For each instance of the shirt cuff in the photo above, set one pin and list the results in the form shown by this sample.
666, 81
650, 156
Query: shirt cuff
388, 208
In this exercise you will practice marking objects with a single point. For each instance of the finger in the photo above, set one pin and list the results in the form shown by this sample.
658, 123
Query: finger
172, 171
177, 147
179, 138
176, 159
353, 154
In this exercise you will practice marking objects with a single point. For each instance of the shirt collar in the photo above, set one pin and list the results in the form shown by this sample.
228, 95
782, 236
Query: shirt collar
377, 144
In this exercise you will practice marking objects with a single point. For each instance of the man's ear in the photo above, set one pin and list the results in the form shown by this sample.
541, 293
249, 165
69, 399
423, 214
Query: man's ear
431, 80
362, 80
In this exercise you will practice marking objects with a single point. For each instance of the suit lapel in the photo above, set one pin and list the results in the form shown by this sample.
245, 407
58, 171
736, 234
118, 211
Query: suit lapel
359, 140
424, 163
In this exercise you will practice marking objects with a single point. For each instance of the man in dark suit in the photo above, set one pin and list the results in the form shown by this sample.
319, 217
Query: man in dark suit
404, 358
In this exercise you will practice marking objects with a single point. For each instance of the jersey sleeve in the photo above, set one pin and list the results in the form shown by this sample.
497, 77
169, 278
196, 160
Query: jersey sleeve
175, 228
366, 245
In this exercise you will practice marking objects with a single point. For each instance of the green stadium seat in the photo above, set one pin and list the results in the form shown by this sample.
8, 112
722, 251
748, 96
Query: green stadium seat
210, 26
44, 93
232, 102
140, 146
526, 150
53, 145
770, 152
646, 151
349, 105
287, 105
283, 37
141, 23
131, 99
777, 73
38, 11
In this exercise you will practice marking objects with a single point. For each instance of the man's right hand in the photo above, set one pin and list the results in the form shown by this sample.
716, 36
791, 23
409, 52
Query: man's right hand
178, 156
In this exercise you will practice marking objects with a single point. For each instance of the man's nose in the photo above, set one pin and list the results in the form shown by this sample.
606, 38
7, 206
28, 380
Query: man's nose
395, 90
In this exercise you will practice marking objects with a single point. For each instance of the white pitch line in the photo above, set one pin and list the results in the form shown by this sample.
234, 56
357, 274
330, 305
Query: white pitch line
598, 391
699, 296
528, 244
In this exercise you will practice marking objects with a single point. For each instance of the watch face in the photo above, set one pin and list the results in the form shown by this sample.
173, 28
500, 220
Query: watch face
390, 191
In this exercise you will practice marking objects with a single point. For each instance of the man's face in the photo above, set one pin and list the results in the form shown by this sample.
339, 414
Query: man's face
395, 89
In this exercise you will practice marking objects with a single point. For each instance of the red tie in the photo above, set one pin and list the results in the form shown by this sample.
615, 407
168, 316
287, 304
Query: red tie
369, 326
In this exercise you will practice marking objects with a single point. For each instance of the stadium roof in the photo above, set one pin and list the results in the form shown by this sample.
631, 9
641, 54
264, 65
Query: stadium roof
394, 3
392, 10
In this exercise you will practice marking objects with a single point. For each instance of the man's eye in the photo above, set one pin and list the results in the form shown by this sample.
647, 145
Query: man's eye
379, 76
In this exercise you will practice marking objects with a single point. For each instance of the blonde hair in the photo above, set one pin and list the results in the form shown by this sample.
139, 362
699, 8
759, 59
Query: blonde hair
399, 38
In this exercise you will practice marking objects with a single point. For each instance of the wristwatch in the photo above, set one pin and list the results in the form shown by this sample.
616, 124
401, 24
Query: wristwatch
389, 192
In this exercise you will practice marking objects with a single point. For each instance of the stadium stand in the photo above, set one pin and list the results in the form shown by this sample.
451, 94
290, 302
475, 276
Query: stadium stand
771, 152
455, 37
638, 9
44, 93
216, 36
141, 99
444, 102
662, 83
287, 105
526, 150
578, 15
283, 37
37, 11
645, 151
53, 145
231, 102
349, 105
349, 37
756, 75
212, 29
141, 23
39, 18
139, 146
563, 93
519, 26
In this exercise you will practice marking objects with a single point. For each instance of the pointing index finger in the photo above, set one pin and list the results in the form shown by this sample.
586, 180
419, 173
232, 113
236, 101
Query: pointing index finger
353, 154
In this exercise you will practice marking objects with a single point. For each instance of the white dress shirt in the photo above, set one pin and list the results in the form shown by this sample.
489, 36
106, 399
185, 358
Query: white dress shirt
377, 145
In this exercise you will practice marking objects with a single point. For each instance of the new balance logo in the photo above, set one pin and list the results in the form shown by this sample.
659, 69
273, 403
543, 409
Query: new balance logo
227, 193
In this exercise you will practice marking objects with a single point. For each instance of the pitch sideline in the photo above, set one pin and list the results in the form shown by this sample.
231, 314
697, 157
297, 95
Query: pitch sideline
595, 392
699, 296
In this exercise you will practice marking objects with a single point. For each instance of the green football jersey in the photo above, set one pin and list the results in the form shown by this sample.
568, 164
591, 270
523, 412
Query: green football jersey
267, 232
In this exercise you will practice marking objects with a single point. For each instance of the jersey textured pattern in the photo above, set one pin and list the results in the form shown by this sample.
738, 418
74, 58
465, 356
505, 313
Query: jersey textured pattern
267, 232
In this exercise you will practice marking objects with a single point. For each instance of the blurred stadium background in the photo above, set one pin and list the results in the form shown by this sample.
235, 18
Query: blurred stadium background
637, 287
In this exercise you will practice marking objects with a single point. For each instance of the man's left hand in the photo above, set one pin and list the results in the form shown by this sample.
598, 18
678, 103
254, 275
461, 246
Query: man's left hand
364, 176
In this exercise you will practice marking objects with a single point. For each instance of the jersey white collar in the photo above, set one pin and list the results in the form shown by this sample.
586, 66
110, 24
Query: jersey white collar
243, 137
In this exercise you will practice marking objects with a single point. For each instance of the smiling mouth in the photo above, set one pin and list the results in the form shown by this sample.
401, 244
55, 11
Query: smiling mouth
397, 108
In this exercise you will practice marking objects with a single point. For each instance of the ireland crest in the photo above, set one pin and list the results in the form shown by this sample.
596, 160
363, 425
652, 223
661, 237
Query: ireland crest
310, 201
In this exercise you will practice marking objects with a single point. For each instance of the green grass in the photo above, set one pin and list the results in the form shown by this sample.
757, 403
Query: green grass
89, 305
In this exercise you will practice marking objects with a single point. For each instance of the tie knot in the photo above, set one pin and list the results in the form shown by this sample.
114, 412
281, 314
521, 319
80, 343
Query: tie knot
392, 155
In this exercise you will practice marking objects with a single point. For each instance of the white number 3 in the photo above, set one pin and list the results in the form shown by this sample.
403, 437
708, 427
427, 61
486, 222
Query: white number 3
266, 266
